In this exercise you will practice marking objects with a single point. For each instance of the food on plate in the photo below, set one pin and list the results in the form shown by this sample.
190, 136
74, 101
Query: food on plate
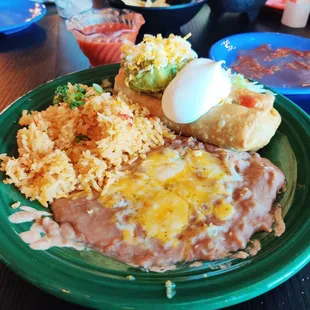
185, 201
119, 181
151, 65
203, 100
79, 143
281, 67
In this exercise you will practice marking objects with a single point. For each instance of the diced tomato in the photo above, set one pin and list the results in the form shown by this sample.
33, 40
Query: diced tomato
125, 116
247, 101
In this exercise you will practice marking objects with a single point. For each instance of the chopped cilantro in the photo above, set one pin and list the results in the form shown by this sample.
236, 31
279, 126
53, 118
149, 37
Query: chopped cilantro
79, 138
62, 91
77, 96
61, 94
79, 89
75, 104
73, 97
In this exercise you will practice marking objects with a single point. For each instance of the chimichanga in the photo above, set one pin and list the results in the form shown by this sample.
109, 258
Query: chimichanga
227, 125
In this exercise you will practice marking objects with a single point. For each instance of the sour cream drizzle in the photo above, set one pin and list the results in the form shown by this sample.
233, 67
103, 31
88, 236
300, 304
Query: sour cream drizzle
45, 232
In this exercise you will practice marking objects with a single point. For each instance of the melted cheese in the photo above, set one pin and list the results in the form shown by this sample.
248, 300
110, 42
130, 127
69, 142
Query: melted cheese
167, 190
164, 215
223, 211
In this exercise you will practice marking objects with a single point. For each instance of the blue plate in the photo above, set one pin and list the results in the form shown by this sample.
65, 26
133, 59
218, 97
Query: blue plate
301, 100
19, 14
227, 49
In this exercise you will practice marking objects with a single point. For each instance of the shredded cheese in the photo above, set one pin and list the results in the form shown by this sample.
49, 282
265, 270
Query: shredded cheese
156, 52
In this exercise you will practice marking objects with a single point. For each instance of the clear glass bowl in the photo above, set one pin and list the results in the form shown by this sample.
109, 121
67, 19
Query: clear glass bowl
101, 33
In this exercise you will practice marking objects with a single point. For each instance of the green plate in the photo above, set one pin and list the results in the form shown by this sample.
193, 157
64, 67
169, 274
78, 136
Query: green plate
96, 281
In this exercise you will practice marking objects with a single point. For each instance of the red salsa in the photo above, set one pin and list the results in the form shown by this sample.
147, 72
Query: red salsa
282, 67
105, 49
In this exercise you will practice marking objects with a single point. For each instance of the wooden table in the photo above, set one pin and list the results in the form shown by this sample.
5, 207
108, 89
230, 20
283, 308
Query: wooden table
46, 51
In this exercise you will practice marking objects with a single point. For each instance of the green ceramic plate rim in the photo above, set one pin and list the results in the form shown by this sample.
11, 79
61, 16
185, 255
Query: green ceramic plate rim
249, 289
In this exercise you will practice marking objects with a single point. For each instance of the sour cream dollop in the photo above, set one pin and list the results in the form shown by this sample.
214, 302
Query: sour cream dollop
198, 87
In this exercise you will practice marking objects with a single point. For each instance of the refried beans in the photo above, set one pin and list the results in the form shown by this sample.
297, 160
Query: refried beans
186, 201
